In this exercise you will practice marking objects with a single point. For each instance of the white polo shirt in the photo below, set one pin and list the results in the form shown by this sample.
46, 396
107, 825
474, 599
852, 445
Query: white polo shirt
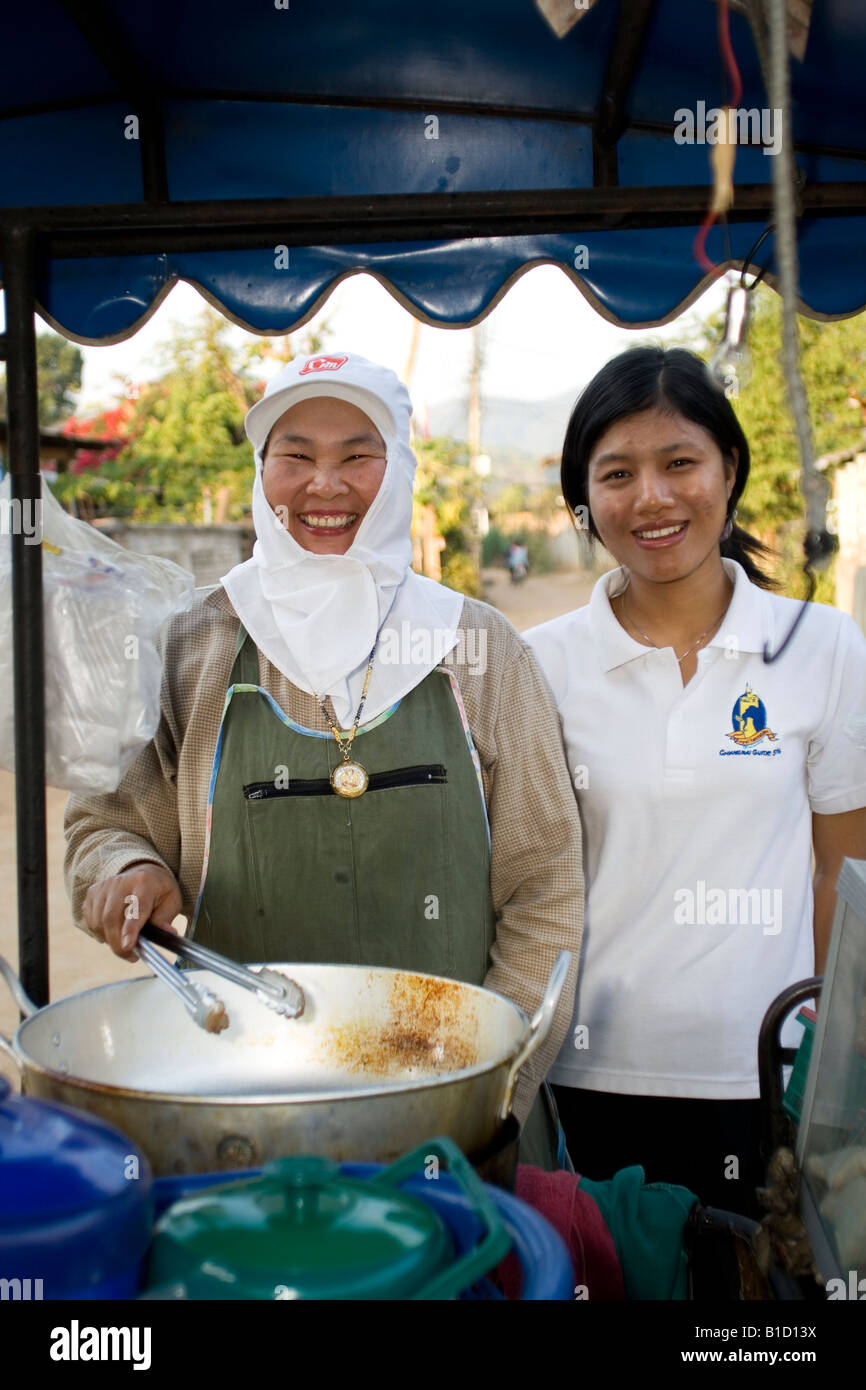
696, 809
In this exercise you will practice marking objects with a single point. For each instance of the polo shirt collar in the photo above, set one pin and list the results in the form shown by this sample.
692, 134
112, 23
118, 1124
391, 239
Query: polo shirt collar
746, 623
614, 643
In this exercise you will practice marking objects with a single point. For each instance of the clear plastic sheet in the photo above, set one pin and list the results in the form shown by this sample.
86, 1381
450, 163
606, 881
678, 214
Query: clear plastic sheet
104, 608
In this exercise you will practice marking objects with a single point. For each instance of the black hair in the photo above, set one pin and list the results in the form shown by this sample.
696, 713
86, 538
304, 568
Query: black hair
674, 379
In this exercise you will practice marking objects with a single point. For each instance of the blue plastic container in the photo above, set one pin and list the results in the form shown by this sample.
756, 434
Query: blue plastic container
76, 1203
541, 1254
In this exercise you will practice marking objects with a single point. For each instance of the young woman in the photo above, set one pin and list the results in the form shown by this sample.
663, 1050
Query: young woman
706, 777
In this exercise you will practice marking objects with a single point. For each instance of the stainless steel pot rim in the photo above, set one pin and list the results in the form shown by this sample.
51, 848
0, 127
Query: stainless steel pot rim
271, 1097
377, 970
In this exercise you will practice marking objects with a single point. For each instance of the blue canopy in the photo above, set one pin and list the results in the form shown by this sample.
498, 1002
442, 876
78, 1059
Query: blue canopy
108, 105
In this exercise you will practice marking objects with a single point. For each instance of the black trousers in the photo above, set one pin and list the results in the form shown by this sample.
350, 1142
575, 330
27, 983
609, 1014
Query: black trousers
709, 1146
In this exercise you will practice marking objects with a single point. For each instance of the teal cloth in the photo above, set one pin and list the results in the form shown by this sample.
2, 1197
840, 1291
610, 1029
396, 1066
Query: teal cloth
646, 1220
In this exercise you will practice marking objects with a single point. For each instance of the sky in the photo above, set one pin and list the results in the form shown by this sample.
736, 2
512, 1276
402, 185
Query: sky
542, 339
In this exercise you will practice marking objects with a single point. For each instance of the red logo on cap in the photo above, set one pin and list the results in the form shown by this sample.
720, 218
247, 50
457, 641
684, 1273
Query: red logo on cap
322, 364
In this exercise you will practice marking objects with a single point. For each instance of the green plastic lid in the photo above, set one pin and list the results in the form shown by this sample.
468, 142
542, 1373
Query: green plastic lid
301, 1230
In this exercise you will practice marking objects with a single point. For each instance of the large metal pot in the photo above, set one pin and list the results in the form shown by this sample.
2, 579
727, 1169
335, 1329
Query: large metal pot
379, 1061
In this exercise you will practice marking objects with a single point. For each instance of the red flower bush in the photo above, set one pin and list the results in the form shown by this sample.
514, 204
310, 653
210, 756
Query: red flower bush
111, 424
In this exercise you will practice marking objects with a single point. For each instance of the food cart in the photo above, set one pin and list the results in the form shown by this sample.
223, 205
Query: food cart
264, 154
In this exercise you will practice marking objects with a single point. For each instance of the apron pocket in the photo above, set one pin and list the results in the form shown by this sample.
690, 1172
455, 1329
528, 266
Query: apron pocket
301, 861
401, 852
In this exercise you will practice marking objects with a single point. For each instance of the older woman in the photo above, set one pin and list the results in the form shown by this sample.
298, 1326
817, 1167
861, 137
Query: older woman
354, 764
707, 777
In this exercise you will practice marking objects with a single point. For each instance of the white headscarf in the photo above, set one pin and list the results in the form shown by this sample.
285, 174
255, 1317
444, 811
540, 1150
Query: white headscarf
317, 617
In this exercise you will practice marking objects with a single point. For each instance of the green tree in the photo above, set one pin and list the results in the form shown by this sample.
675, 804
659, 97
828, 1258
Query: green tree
833, 362
58, 364
446, 482
542, 505
187, 429
514, 498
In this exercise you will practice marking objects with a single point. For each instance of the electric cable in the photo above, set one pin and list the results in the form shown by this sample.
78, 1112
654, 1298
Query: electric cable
818, 544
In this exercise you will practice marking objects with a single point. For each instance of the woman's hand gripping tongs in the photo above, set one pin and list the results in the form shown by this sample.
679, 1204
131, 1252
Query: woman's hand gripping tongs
279, 992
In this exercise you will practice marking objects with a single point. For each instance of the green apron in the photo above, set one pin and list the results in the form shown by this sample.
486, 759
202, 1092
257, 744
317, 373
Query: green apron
399, 876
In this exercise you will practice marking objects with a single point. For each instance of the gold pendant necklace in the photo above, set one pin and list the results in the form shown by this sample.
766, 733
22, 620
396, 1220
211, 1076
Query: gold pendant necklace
349, 778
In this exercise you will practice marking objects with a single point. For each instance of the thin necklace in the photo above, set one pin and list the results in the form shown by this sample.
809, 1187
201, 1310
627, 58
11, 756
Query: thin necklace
349, 778
644, 635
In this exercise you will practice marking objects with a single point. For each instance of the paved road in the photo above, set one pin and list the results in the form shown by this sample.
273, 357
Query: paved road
76, 962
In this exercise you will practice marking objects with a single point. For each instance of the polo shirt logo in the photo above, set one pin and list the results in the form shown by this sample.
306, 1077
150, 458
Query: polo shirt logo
749, 718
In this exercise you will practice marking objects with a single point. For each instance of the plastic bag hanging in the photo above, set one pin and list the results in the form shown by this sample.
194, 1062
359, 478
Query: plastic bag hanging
104, 607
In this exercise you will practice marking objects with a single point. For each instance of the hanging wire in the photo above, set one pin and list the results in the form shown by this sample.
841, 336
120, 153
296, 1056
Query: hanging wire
818, 544
727, 51
768, 231
736, 91
700, 243
732, 72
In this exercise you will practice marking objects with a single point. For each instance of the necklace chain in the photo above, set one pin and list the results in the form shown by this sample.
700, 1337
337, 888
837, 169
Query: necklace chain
647, 638
345, 745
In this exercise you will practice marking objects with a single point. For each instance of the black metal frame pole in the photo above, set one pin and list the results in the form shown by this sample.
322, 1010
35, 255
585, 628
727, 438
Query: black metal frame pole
130, 229
19, 282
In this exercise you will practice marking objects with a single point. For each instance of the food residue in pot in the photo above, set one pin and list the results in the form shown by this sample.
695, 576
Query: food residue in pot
428, 1029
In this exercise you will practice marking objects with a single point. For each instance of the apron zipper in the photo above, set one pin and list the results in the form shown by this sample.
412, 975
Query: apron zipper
420, 776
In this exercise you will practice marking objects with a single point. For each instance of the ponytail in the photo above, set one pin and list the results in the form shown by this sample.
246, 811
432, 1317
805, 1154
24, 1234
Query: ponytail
746, 550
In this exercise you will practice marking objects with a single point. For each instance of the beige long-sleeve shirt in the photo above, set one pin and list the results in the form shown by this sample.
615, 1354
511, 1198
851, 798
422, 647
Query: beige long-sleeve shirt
158, 812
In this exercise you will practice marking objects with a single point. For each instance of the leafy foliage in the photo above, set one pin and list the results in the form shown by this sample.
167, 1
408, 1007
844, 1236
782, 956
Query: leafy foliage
833, 363
183, 434
508, 512
58, 364
446, 482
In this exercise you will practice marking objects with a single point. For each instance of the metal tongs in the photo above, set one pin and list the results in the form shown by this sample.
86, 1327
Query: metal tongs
277, 991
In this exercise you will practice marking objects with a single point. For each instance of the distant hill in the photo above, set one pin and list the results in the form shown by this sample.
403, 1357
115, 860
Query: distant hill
516, 434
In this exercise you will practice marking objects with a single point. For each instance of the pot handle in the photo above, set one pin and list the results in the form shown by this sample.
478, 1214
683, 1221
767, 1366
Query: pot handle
539, 1026
24, 1002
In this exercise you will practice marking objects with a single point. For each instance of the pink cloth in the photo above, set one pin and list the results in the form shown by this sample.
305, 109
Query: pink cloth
575, 1217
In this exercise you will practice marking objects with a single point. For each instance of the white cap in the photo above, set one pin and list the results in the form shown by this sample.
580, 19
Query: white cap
376, 390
